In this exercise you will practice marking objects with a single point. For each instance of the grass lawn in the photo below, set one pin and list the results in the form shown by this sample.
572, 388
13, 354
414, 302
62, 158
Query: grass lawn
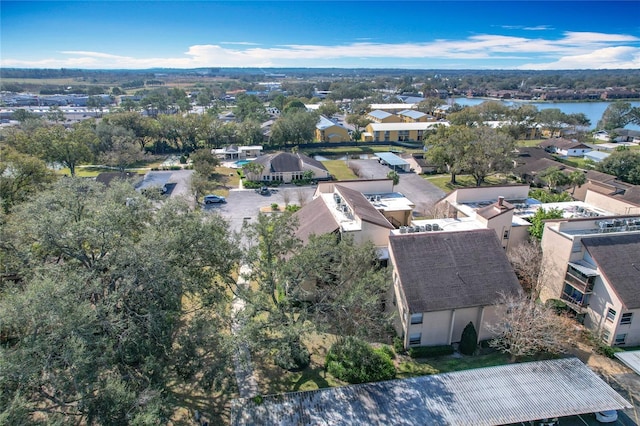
463, 181
529, 143
91, 171
578, 162
339, 170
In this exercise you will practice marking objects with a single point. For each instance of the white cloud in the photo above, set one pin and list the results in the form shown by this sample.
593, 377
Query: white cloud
621, 57
573, 50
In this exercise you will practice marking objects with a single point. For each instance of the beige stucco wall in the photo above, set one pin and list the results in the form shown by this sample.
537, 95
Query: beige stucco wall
434, 328
519, 235
556, 252
378, 235
402, 216
487, 193
611, 204
500, 224
462, 318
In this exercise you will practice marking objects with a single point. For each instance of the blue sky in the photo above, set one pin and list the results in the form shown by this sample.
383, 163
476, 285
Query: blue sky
368, 34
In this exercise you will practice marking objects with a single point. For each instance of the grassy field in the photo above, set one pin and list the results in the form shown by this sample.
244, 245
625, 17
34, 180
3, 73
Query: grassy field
463, 181
339, 170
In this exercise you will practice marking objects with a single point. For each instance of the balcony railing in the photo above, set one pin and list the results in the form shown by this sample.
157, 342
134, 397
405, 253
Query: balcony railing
578, 283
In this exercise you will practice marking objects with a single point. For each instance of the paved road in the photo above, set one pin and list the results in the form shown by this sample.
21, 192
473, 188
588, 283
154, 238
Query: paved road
422, 192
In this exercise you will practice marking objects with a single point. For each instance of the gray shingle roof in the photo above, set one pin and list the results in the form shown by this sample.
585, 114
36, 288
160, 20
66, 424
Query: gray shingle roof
315, 218
618, 257
287, 162
481, 397
362, 207
450, 270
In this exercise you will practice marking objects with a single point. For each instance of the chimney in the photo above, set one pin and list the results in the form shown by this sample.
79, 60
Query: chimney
500, 200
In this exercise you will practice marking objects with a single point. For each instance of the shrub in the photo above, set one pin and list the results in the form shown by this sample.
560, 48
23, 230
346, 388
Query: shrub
430, 351
292, 208
387, 350
183, 159
355, 361
398, 345
469, 340
292, 356
559, 306
485, 344
275, 206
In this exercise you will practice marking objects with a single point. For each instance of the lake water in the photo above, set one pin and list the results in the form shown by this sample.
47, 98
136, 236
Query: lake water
593, 110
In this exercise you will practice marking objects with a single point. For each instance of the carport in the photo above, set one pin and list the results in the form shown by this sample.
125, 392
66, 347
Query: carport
489, 396
393, 161
631, 359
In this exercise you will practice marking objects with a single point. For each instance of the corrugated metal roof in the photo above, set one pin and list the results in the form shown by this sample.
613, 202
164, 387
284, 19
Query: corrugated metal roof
391, 159
381, 115
631, 359
484, 396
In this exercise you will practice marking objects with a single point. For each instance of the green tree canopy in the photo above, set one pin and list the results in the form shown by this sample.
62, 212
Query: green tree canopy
110, 307
537, 221
623, 164
618, 114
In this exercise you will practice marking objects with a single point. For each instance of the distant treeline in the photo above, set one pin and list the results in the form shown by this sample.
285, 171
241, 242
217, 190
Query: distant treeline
453, 81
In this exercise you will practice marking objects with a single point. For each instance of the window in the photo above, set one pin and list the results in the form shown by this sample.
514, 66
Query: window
620, 339
415, 339
416, 318
626, 318
505, 235
611, 315
606, 334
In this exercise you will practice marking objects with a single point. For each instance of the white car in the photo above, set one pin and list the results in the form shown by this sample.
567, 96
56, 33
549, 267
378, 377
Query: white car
609, 416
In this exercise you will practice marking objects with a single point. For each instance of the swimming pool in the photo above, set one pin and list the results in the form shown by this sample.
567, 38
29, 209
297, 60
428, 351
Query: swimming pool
241, 163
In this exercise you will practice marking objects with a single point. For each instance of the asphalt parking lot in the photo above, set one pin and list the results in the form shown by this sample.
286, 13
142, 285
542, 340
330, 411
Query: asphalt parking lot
422, 192
245, 204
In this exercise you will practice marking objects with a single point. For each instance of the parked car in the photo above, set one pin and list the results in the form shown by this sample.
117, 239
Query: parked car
263, 190
214, 199
609, 416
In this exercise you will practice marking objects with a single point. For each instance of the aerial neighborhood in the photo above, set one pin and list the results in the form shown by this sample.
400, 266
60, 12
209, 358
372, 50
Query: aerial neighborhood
239, 247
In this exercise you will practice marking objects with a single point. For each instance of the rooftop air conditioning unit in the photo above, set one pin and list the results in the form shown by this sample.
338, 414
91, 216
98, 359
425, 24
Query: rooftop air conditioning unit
435, 227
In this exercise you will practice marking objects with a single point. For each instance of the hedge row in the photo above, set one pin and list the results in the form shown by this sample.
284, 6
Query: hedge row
430, 351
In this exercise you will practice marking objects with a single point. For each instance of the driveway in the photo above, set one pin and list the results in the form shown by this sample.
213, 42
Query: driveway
423, 193
245, 204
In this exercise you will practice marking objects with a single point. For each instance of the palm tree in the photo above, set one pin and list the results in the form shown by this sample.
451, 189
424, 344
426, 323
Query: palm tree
577, 179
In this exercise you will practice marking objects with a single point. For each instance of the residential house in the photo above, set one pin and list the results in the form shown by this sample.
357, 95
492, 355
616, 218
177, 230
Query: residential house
596, 156
444, 280
502, 208
601, 135
379, 116
421, 164
626, 135
234, 152
366, 209
399, 132
413, 116
565, 147
330, 131
392, 108
592, 265
529, 162
285, 167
